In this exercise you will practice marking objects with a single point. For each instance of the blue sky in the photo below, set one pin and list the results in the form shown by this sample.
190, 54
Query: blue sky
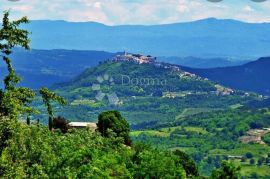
117, 12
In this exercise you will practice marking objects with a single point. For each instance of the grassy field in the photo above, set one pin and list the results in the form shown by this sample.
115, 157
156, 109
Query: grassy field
192, 111
258, 150
189, 128
165, 132
86, 102
236, 106
150, 133
262, 171
164, 135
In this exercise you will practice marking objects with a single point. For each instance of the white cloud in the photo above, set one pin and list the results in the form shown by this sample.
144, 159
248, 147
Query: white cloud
22, 8
248, 9
97, 5
115, 12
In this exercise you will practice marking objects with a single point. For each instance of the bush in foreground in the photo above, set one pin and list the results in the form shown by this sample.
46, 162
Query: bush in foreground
35, 152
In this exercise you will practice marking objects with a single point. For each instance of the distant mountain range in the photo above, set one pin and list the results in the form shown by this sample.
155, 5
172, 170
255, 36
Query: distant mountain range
196, 62
204, 38
253, 76
46, 67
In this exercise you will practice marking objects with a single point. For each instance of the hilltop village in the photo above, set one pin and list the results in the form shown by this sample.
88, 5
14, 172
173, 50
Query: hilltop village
142, 59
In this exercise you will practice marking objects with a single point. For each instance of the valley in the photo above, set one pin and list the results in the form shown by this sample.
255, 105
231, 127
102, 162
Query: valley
190, 113
168, 106
169, 98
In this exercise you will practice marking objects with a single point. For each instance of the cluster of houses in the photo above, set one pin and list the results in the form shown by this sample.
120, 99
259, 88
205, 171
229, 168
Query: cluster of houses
138, 58
141, 59
187, 74
223, 91
255, 136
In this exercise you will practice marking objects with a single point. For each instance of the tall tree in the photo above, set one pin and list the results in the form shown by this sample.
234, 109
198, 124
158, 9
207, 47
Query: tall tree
48, 97
113, 121
188, 164
13, 100
227, 170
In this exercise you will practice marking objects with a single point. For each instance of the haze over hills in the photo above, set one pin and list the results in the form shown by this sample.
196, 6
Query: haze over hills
45, 67
196, 62
203, 38
133, 84
253, 76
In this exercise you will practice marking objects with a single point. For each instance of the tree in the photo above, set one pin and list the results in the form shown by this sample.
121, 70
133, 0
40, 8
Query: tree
227, 170
188, 164
48, 97
60, 123
112, 120
267, 160
13, 100
252, 161
155, 164
243, 159
254, 175
249, 155
266, 138
260, 162
28, 121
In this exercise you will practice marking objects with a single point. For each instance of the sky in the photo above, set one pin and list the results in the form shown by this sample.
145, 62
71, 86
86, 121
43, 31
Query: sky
144, 12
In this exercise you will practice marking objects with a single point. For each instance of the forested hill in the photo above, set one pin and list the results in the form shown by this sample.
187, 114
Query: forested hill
179, 110
156, 92
133, 79
253, 76
45, 67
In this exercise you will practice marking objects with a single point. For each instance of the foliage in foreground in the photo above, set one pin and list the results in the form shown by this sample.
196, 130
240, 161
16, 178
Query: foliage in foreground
227, 171
13, 100
34, 152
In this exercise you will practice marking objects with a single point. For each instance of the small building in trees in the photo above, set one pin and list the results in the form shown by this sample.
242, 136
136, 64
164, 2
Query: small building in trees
91, 125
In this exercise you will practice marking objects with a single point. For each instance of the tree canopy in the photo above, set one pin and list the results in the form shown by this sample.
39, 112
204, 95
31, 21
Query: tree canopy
13, 100
112, 121
48, 97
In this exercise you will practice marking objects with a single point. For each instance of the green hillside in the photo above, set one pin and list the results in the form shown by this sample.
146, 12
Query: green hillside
185, 112
211, 137
146, 93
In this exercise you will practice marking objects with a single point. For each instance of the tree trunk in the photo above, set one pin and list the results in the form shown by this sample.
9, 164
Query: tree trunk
50, 123
28, 120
